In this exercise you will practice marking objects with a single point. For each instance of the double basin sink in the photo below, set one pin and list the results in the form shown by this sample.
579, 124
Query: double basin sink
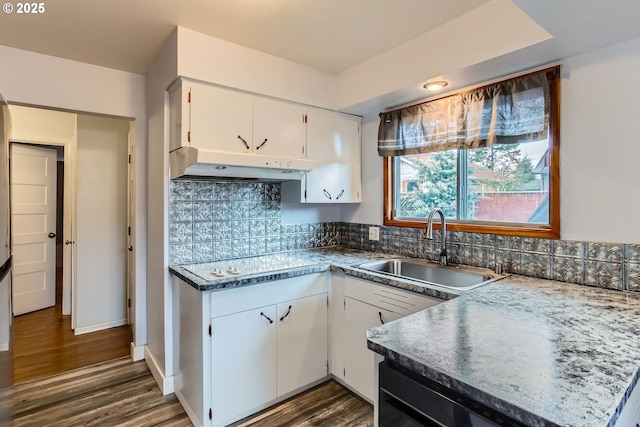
452, 277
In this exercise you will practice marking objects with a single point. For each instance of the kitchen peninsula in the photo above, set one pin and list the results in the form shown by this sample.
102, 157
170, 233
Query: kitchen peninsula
538, 351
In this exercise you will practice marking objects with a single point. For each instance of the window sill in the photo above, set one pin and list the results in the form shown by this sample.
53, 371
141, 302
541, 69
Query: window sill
505, 230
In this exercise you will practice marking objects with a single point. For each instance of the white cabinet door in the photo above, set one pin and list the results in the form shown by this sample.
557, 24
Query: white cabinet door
348, 165
279, 129
358, 359
302, 342
243, 350
333, 143
220, 120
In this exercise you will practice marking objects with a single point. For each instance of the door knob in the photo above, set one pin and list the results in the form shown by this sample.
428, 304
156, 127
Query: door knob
52, 235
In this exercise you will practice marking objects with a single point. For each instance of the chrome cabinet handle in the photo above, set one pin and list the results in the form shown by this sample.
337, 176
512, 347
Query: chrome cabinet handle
339, 194
381, 319
326, 194
266, 317
286, 314
260, 146
244, 142
52, 235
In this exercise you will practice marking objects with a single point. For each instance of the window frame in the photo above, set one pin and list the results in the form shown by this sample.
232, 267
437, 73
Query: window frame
550, 231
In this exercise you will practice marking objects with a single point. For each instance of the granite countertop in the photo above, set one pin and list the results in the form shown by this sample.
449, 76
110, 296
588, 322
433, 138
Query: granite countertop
546, 353
255, 270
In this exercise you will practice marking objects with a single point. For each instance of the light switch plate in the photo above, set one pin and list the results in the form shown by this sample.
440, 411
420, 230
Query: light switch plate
374, 233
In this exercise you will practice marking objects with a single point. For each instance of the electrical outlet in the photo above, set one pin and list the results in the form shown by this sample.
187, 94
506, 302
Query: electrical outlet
374, 233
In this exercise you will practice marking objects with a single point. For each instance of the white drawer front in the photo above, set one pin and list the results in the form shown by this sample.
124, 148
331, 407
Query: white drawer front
387, 297
260, 295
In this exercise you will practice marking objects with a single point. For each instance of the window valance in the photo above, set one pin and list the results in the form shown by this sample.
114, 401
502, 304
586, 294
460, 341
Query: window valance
516, 110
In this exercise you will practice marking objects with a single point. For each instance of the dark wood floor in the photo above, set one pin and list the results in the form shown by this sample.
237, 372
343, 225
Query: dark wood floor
44, 345
123, 393
327, 405
115, 393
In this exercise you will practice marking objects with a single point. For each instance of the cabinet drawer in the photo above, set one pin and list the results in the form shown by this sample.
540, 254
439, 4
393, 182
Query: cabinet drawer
392, 299
249, 297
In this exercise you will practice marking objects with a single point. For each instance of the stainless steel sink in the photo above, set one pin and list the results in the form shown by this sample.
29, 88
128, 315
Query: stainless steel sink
453, 277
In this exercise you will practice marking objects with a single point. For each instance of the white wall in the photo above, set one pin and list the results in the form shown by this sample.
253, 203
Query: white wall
599, 149
600, 145
101, 226
161, 73
218, 61
41, 80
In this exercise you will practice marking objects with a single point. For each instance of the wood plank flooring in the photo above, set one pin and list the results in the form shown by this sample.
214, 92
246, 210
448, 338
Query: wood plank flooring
115, 393
44, 345
123, 393
327, 405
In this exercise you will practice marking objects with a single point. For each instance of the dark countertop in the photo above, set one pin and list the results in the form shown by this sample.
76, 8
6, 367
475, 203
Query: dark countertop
546, 353
291, 264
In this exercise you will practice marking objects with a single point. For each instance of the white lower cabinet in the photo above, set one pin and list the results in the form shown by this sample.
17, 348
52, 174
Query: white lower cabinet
358, 359
241, 350
243, 361
367, 305
238, 351
301, 342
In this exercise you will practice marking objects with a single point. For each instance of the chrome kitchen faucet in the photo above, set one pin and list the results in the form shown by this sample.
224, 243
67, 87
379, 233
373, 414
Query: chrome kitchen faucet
442, 252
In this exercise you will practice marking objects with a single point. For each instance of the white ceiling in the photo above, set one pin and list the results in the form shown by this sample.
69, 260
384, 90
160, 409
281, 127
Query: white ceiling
329, 35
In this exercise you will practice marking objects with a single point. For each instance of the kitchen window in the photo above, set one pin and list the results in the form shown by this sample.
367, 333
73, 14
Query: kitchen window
489, 158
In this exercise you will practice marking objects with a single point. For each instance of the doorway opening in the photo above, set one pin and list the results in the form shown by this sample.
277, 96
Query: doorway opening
88, 323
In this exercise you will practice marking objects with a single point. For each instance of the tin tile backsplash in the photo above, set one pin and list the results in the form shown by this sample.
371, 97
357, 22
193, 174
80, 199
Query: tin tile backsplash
211, 221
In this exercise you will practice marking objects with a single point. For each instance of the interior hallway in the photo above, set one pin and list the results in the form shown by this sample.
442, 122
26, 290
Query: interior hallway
44, 344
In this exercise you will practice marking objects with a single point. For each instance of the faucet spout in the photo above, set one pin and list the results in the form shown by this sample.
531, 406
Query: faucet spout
442, 252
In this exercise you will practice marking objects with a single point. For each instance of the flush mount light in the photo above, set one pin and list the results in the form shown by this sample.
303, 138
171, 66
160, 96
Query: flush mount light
435, 85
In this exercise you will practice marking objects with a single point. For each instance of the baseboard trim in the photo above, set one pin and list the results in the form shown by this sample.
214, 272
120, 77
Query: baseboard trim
94, 328
165, 384
188, 409
137, 353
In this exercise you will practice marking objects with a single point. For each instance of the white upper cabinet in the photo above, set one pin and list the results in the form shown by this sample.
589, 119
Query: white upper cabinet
215, 119
221, 120
278, 128
333, 144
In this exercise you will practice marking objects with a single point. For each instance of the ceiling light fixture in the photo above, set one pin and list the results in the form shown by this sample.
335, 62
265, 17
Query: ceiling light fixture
435, 85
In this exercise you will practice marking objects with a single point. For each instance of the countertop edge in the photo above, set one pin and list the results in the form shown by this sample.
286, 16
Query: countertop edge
203, 285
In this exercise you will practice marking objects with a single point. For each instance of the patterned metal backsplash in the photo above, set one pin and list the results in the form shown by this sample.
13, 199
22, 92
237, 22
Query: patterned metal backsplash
212, 221
605, 265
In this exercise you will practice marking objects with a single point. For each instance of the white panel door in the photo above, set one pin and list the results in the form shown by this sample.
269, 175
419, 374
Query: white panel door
302, 342
33, 217
243, 365
358, 359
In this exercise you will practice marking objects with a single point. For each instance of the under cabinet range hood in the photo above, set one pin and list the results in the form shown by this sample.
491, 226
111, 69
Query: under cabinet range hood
190, 161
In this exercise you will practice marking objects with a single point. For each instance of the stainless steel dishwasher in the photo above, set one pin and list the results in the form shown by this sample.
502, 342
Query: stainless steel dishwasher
409, 400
